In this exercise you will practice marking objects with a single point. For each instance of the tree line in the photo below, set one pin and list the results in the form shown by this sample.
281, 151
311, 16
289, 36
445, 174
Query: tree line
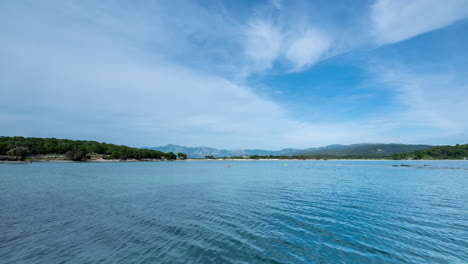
441, 152
306, 157
21, 147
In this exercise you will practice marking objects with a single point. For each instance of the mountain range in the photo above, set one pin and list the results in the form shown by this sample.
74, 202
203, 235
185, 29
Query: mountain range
338, 150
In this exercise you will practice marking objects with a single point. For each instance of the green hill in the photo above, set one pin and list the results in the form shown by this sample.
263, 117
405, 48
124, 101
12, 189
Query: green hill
21, 147
369, 150
441, 152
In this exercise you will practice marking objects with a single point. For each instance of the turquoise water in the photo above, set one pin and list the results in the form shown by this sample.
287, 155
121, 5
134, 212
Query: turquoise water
252, 212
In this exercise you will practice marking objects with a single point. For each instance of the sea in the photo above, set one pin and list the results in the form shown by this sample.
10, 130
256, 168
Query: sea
235, 212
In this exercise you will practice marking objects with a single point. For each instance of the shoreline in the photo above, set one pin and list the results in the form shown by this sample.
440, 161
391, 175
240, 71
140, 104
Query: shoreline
213, 160
318, 160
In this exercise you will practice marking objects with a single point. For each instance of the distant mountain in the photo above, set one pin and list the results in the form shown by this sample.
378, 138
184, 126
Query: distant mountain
192, 152
339, 150
201, 152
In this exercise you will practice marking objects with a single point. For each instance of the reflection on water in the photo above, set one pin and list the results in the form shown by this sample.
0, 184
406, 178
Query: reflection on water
251, 212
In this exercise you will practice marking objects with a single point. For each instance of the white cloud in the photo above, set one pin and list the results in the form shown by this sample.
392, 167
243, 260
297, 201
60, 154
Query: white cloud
307, 48
262, 44
103, 88
429, 107
126, 102
265, 43
398, 20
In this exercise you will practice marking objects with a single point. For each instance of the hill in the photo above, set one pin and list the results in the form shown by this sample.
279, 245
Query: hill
368, 149
358, 150
20, 147
202, 152
440, 152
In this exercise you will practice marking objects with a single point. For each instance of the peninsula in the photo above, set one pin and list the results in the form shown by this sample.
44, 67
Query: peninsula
53, 149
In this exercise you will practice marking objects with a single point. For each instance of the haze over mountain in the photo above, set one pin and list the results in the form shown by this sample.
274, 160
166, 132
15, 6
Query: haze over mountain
337, 149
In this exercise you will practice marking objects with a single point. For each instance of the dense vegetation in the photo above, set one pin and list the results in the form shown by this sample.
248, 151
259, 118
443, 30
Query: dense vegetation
21, 147
181, 155
362, 150
442, 152
308, 156
368, 150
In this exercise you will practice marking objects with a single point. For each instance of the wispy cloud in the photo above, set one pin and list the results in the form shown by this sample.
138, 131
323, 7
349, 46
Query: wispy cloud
398, 20
428, 106
307, 48
432, 99
262, 44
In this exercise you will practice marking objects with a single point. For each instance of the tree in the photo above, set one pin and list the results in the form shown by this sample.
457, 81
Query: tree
255, 157
50, 146
19, 152
3, 148
419, 154
170, 156
181, 155
117, 155
75, 155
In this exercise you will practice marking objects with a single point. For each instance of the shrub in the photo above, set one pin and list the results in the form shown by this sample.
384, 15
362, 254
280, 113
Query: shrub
18, 152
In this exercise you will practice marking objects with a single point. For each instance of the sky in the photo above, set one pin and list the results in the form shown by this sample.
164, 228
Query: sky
266, 74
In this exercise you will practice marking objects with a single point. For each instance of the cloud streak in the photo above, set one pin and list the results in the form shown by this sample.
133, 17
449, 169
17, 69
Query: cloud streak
398, 20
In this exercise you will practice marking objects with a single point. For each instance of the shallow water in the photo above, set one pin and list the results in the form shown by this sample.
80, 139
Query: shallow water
251, 212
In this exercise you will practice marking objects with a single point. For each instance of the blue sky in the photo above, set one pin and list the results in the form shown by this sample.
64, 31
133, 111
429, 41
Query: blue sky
236, 74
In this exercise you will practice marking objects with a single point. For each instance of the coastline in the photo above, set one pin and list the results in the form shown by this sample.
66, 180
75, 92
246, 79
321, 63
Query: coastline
212, 160
319, 160
72, 161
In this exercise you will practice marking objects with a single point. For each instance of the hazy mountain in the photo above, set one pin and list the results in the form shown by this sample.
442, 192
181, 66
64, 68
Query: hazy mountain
201, 152
354, 149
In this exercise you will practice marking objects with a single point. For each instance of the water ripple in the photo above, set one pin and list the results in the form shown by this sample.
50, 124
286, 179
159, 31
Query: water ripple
255, 212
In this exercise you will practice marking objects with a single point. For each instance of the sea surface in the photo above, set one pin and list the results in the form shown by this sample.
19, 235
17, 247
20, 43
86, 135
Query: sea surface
251, 212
